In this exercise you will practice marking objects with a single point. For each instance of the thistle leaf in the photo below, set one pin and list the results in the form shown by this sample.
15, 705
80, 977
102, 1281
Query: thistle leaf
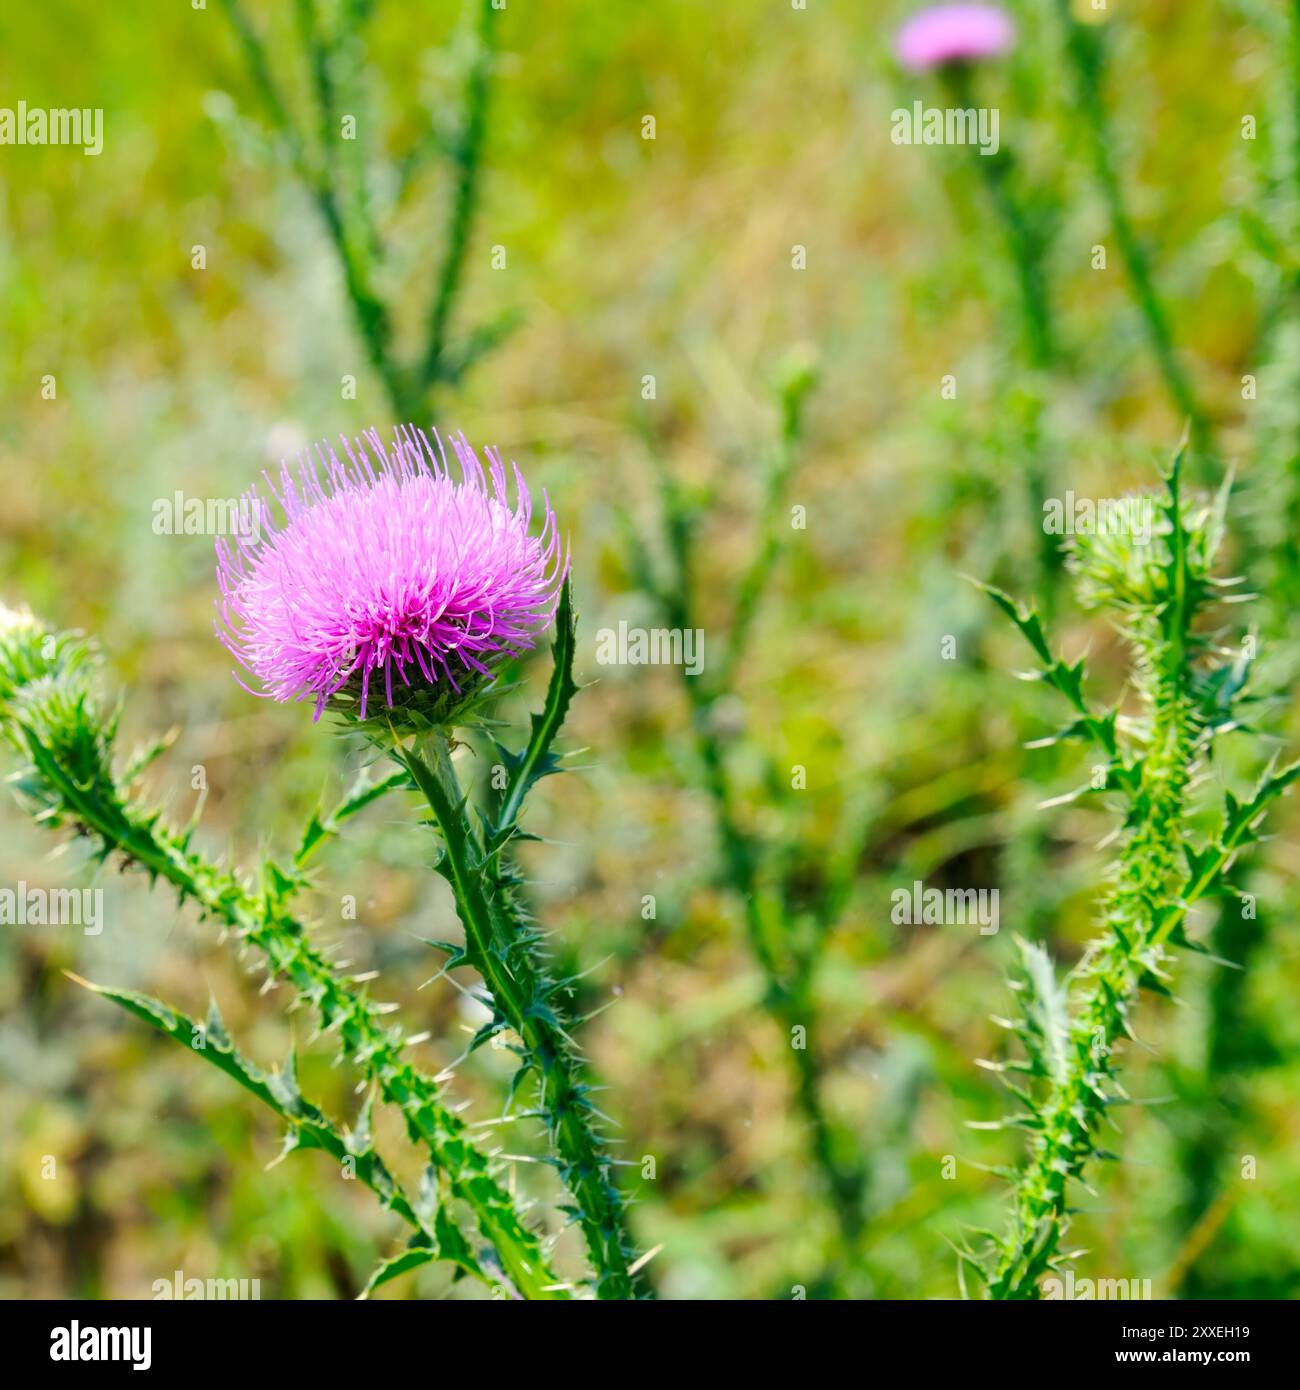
411, 1258
537, 761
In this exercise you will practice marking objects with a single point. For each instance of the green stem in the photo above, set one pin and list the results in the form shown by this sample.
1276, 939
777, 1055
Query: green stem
468, 159
787, 988
1024, 242
1110, 978
364, 1039
339, 190
1087, 57
368, 310
758, 574
309, 1127
787, 985
1234, 1043
1286, 580
1160, 875
787, 996
1293, 55
1027, 252
501, 945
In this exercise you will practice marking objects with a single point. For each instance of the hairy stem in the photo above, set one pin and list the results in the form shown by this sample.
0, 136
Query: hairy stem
1109, 980
502, 946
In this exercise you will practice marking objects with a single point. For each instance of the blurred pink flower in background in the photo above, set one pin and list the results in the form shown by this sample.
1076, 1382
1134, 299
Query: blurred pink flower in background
953, 34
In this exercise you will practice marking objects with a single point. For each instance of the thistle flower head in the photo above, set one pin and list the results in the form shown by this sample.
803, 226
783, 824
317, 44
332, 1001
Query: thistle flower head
389, 580
29, 653
946, 34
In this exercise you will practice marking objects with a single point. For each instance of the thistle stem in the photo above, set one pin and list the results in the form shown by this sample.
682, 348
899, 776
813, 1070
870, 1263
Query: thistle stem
1160, 874
1024, 242
1086, 53
1109, 980
338, 187
363, 1039
1027, 252
501, 945
788, 995
468, 158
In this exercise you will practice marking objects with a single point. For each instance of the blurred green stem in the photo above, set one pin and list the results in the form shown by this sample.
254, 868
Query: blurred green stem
1236, 1041
788, 994
1287, 572
467, 157
1085, 47
1027, 250
1024, 239
340, 191
788, 968
1234, 1044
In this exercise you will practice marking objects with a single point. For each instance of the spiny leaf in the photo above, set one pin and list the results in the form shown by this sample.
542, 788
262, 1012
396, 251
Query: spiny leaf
536, 762
363, 792
411, 1258
1025, 618
1046, 1010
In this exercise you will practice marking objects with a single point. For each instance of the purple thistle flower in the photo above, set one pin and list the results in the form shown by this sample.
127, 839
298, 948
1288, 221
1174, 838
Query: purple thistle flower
388, 568
953, 34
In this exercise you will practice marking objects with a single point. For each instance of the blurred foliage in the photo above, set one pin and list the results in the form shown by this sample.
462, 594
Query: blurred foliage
669, 258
